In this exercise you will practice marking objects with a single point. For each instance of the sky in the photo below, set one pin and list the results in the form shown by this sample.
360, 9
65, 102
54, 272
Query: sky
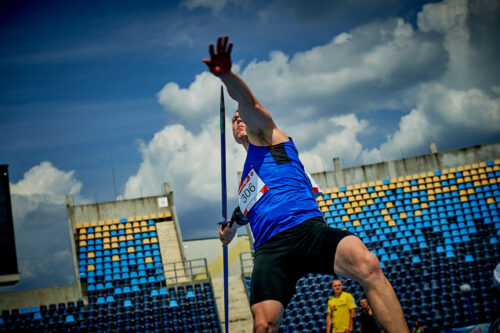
108, 100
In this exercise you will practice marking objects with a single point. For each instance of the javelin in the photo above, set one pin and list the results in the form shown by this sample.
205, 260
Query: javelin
224, 202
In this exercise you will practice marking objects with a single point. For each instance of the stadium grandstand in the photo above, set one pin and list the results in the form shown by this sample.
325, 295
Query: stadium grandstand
432, 220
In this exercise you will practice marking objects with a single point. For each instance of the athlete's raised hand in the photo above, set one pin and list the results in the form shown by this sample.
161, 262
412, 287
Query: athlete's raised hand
220, 61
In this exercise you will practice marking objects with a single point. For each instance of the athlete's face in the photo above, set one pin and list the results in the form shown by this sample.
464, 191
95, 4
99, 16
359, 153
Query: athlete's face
337, 287
239, 128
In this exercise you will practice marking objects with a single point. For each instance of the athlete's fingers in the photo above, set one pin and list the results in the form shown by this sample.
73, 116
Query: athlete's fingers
229, 48
219, 44
211, 50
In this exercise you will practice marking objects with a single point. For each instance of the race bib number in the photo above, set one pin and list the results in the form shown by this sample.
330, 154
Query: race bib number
252, 188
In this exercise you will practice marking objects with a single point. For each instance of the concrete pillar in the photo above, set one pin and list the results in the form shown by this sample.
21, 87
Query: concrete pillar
432, 147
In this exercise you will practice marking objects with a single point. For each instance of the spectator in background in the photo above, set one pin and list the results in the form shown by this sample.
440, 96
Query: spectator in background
418, 328
341, 310
366, 319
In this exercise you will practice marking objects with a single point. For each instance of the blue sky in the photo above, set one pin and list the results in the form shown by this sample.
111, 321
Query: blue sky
87, 87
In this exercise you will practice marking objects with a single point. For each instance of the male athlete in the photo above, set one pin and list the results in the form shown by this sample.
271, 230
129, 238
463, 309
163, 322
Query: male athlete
291, 237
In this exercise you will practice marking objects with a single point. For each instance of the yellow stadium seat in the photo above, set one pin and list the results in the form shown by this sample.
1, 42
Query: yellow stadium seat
98, 229
329, 202
387, 218
362, 203
105, 228
402, 215
345, 218
356, 223
82, 243
145, 241
152, 216
90, 268
364, 185
350, 187
106, 246
136, 225
154, 240
130, 249
446, 189
152, 228
90, 255
144, 224
384, 212
418, 213
391, 223
113, 227
98, 235
324, 209
78, 226
122, 238
369, 202
148, 260
470, 191
342, 195
355, 191
490, 201
438, 190
115, 258
91, 236
106, 240
424, 205
115, 245
82, 237
93, 224
130, 237
358, 210
137, 230
350, 211
392, 186
460, 168
82, 231
389, 204
378, 183
354, 204
129, 231
121, 226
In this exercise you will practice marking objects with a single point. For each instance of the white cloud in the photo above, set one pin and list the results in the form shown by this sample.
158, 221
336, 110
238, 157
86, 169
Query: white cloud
44, 184
189, 161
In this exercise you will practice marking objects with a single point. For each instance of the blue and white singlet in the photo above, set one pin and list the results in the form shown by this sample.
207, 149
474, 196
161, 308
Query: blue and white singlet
284, 196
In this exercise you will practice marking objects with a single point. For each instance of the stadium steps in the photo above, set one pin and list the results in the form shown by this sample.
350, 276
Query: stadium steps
240, 317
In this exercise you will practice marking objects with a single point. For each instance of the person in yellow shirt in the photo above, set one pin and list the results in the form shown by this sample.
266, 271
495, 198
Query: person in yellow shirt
341, 310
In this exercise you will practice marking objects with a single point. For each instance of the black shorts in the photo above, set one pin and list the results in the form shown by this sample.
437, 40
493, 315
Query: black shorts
282, 260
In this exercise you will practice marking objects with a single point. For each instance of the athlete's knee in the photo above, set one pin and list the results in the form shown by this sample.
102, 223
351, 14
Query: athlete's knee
368, 267
262, 325
266, 316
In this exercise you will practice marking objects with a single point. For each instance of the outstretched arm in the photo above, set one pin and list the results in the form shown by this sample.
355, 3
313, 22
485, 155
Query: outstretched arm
261, 128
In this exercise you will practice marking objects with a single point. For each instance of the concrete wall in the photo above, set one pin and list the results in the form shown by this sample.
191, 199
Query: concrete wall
37, 297
406, 166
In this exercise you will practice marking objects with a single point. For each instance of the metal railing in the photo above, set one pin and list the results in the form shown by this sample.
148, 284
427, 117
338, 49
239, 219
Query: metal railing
186, 271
